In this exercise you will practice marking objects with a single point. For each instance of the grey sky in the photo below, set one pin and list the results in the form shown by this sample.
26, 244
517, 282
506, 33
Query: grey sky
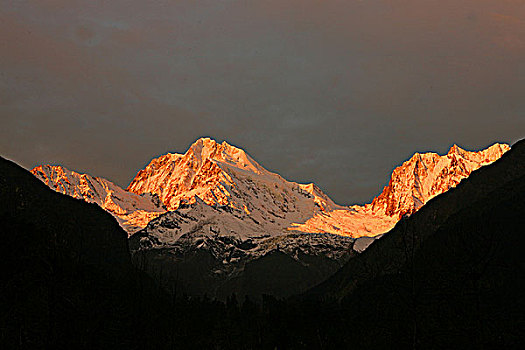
334, 92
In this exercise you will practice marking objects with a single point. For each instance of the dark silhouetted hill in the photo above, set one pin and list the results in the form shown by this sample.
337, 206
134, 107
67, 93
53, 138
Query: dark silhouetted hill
450, 275
66, 277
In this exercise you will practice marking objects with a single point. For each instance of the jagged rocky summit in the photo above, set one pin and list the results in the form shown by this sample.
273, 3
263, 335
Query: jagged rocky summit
132, 211
215, 221
222, 175
412, 184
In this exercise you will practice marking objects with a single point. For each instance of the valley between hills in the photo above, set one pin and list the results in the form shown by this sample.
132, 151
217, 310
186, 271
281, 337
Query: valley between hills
449, 274
213, 221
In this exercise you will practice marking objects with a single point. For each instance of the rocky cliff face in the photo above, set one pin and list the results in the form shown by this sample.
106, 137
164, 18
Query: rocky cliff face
223, 175
427, 175
204, 171
412, 184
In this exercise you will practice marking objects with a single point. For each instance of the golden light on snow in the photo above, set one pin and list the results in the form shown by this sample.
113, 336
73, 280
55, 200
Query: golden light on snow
262, 202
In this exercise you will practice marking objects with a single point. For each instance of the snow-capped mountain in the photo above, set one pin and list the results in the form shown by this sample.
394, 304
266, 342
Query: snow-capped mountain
414, 183
223, 175
230, 243
227, 206
132, 211
427, 175
217, 209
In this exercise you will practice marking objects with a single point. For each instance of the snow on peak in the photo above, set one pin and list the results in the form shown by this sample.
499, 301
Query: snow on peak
427, 175
219, 175
132, 211
320, 198
207, 148
412, 184
455, 149
222, 175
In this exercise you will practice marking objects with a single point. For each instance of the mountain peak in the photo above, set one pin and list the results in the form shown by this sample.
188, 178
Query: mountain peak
207, 148
209, 144
410, 186
208, 169
455, 149
131, 210
204, 144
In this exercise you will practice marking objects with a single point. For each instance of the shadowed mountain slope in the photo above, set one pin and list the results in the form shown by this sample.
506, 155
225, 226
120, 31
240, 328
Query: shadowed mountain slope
132, 211
66, 279
450, 275
228, 216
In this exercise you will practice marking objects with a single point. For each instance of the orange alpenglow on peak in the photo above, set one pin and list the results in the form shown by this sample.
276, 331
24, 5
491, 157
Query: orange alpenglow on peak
206, 148
132, 211
455, 149
204, 171
222, 175
414, 183
423, 177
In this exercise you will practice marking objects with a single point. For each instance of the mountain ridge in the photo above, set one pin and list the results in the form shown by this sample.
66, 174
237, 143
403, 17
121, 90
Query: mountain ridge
445, 173
429, 220
449, 276
224, 175
131, 211
219, 216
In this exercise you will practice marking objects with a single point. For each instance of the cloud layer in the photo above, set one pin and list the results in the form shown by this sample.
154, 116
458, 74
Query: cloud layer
335, 92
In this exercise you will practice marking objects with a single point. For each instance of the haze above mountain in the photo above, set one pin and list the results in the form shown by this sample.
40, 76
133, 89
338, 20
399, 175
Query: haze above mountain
334, 92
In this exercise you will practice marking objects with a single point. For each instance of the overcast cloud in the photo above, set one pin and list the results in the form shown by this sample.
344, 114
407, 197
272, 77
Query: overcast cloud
332, 92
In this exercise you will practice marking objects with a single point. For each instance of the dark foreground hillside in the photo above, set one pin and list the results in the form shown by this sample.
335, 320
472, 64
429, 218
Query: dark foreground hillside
449, 276
66, 278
